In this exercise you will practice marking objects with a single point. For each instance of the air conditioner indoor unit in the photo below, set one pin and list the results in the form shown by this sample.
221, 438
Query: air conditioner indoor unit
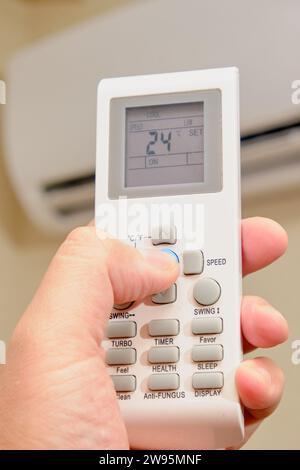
50, 115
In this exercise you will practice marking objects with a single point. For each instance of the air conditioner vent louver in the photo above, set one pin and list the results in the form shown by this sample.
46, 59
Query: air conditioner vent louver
271, 160
71, 199
70, 183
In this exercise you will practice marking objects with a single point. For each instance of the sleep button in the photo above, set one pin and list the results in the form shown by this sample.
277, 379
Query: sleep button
163, 382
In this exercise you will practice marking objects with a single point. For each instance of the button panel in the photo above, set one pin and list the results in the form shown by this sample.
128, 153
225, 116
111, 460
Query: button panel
121, 329
122, 356
163, 354
163, 382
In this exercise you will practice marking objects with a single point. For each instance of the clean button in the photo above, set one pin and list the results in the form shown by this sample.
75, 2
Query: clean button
124, 383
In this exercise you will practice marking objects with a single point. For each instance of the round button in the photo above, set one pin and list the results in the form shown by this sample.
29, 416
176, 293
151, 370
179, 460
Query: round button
123, 306
171, 253
207, 291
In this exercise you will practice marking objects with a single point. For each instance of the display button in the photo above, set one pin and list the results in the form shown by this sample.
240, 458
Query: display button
210, 352
123, 356
207, 326
207, 380
163, 328
164, 234
121, 329
193, 261
158, 355
166, 297
124, 383
163, 382
207, 291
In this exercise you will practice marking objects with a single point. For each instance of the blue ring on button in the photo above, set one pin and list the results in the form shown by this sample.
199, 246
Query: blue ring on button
171, 252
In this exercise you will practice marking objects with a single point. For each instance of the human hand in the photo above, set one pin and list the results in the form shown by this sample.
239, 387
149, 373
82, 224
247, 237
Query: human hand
55, 392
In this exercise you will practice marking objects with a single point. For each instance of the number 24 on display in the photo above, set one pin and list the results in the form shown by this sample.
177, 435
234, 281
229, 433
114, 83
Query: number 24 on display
165, 141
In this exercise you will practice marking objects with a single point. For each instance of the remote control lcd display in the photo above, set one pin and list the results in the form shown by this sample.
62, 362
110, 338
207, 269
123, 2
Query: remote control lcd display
165, 145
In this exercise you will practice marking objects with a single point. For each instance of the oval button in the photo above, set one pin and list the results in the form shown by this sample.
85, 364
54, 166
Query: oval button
207, 291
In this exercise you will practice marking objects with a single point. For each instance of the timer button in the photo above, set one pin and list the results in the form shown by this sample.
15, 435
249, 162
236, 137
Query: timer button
207, 291
165, 327
193, 261
168, 296
164, 234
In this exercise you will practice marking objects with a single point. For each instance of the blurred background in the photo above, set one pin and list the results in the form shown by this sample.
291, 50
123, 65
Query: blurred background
53, 53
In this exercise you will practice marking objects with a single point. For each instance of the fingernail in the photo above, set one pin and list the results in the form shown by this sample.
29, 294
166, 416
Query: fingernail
159, 259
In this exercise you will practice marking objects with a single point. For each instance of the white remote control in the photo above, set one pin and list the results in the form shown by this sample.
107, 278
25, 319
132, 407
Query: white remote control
168, 149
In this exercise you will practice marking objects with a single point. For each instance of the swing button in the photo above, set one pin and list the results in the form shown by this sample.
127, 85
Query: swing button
207, 291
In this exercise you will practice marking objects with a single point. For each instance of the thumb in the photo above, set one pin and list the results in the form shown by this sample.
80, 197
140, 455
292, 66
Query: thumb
87, 275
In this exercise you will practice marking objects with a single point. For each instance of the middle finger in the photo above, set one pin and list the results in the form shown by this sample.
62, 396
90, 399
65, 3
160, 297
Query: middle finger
262, 325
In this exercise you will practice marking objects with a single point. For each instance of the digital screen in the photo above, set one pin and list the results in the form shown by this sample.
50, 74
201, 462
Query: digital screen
164, 145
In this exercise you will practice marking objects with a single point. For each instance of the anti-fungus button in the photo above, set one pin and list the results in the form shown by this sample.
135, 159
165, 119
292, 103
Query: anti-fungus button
163, 382
207, 291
